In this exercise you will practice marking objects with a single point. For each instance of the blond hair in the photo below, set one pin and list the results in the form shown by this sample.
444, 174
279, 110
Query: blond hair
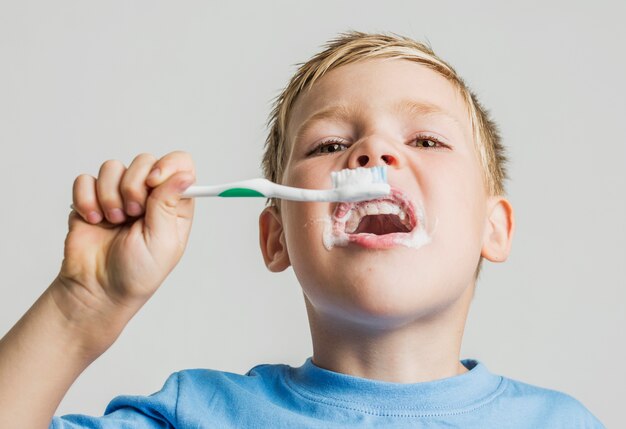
355, 46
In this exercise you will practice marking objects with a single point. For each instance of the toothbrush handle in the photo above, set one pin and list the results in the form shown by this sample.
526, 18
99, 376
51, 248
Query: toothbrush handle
265, 189
260, 188
226, 190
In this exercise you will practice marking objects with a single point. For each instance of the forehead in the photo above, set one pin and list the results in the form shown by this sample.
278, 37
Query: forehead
378, 85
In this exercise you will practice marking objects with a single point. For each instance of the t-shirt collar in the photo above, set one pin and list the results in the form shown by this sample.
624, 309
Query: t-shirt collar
456, 392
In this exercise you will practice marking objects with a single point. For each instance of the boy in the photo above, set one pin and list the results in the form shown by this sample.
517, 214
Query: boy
387, 283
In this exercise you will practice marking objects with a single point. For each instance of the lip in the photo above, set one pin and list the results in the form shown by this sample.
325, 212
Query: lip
373, 241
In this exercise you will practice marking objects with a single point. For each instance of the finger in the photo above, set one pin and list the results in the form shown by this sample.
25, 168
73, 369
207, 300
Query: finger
133, 186
169, 165
165, 209
84, 199
108, 190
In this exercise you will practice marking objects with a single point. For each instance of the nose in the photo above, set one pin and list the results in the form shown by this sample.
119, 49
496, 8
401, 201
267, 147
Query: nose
363, 160
372, 153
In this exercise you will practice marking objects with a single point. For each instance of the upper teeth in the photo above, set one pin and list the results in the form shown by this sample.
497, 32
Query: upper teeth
359, 211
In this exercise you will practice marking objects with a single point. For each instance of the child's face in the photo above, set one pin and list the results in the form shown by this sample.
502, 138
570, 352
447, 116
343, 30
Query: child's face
369, 121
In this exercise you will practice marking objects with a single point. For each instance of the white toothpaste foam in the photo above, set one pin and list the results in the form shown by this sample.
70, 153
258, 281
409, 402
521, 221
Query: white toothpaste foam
333, 236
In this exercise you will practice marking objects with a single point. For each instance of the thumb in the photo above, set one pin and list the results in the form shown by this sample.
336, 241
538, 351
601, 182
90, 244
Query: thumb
166, 211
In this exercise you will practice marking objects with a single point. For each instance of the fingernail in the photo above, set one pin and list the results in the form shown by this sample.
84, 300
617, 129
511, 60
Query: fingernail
94, 217
133, 208
154, 174
116, 215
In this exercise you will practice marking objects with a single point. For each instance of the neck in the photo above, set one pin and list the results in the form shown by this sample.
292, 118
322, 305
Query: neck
424, 349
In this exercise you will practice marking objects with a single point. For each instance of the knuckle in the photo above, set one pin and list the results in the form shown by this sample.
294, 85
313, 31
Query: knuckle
82, 181
145, 157
82, 177
179, 161
114, 164
131, 192
82, 187
178, 155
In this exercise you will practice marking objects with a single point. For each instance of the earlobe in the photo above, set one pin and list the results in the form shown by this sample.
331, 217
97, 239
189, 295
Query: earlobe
272, 240
499, 229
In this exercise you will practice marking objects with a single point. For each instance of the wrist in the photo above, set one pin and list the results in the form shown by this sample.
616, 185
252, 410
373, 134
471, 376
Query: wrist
86, 322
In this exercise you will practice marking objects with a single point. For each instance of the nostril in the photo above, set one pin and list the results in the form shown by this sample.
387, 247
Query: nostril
363, 160
388, 159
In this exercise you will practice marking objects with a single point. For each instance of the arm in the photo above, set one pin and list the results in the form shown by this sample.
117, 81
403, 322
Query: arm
112, 265
40, 358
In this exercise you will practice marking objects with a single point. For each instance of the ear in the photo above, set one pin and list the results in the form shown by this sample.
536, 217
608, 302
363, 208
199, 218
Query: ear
272, 240
499, 228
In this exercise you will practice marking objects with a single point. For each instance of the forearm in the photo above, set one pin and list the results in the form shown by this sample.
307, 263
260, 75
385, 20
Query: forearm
40, 358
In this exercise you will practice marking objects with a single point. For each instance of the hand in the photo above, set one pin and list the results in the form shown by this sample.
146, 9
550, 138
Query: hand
128, 230
114, 261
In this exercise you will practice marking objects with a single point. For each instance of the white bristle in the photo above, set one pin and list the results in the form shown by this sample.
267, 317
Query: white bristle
359, 176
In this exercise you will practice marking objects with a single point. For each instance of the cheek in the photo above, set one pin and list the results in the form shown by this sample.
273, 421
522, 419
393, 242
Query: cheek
308, 261
314, 175
462, 189
459, 204
304, 224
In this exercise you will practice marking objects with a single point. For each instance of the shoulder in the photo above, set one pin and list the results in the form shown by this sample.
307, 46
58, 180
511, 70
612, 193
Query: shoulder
255, 374
192, 388
548, 405
208, 380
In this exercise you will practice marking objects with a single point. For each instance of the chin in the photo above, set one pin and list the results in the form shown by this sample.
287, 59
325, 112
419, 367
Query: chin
370, 295
380, 287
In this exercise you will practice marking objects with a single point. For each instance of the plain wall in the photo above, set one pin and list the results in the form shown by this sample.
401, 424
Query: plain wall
82, 82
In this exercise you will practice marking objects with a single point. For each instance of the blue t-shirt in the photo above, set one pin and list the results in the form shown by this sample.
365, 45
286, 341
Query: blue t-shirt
281, 396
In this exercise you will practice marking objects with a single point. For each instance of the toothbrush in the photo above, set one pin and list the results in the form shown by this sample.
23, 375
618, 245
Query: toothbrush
349, 185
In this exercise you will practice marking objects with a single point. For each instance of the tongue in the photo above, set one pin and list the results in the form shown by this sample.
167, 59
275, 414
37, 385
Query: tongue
380, 225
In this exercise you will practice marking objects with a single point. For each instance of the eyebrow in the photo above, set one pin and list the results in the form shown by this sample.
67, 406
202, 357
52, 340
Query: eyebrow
334, 113
340, 112
422, 108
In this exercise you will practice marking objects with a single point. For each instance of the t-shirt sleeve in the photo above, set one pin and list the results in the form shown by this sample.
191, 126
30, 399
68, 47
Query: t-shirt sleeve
125, 412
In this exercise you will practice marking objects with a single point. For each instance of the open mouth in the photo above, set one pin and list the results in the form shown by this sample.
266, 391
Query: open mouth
385, 223
390, 215
378, 224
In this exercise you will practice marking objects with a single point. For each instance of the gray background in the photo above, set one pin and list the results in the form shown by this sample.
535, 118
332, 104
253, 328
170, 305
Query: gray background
82, 82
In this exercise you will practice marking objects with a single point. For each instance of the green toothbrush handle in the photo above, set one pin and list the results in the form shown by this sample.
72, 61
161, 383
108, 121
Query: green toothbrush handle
240, 192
